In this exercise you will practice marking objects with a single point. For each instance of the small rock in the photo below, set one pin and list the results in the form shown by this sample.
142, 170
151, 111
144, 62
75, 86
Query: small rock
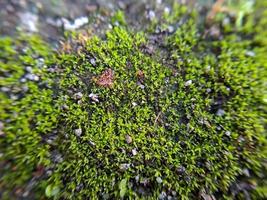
128, 139
25, 194
14, 97
187, 83
78, 96
162, 195
93, 61
94, 97
65, 107
25, 88
32, 77
250, 53
91, 143
170, 29
79, 22
134, 104
134, 152
214, 32
167, 10
241, 139
151, 15
208, 90
228, 133
121, 5
174, 193
159, 180
181, 169
58, 158
110, 26
28, 69
125, 166
40, 62
78, 132
5, 89
226, 21
246, 172
144, 181
220, 112
142, 86
29, 21
116, 23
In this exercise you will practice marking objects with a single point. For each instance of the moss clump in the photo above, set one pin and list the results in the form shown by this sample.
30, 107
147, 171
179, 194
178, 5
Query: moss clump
133, 115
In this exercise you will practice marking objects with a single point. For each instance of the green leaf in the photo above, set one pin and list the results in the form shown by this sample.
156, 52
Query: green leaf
123, 187
51, 190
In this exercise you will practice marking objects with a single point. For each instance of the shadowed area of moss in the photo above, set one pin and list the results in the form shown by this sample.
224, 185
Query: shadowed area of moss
171, 113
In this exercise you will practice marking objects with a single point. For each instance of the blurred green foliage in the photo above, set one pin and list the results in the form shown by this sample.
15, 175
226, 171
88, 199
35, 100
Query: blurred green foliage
186, 113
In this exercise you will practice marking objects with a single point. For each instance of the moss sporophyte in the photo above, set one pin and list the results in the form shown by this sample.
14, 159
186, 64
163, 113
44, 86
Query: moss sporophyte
159, 113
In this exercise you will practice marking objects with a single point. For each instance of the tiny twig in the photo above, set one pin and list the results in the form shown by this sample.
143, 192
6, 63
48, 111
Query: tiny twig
157, 117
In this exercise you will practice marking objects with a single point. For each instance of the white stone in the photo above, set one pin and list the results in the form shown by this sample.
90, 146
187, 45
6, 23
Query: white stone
189, 82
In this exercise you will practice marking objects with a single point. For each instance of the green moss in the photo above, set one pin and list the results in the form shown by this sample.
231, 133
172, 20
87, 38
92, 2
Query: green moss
136, 115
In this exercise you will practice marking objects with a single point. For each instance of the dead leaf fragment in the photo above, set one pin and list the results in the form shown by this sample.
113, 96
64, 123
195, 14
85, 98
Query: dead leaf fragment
106, 79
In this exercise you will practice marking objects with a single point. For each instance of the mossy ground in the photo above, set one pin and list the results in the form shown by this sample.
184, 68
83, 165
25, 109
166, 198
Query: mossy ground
177, 113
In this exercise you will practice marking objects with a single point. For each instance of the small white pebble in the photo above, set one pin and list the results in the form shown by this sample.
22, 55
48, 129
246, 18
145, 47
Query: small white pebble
246, 172
116, 23
28, 69
128, 139
78, 132
110, 26
79, 22
220, 112
5, 89
94, 97
170, 29
151, 15
187, 83
91, 143
93, 61
208, 90
250, 53
167, 10
163, 195
228, 133
78, 95
142, 86
134, 104
134, 152
159, 180
31, 77
125, 166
